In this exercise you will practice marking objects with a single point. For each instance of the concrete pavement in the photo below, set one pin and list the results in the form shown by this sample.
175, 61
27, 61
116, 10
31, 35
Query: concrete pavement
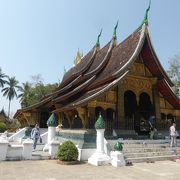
50, 170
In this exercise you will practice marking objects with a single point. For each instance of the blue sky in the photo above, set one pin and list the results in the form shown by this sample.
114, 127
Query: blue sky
43, 36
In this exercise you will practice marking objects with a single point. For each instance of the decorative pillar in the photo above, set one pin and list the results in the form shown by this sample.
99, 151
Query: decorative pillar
99, 157
69, 117
91, 117
120, 108
82, 112
59, 118
52, 124
117, 156
157, 106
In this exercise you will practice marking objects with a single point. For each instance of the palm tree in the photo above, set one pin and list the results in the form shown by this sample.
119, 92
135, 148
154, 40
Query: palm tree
25, 90
10, 90
2, 76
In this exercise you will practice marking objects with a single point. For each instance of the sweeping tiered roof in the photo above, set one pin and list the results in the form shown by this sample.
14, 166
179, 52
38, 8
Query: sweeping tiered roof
102, 69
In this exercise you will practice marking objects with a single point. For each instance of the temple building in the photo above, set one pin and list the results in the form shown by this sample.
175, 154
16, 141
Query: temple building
124, 82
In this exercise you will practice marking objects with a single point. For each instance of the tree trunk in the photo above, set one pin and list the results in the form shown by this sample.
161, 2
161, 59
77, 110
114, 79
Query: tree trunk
9, 109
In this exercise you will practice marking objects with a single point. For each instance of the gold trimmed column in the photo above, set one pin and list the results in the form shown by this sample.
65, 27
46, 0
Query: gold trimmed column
69, 118
156, 100
120, 107
82, 112
59, 118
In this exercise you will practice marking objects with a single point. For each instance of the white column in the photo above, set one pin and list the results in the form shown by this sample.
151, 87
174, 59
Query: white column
99, 158
53, 148
51, 133
51, 136
100, 140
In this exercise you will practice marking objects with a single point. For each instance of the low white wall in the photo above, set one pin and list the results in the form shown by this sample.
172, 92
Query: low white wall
84, 154
3, 149
27, 149
18, 135
14, 152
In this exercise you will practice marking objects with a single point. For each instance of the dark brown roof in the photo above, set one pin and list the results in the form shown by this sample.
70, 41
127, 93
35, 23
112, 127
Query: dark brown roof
168, 94
101, 69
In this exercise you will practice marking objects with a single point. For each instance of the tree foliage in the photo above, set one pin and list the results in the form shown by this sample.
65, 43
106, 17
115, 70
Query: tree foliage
174, 73
2, 78
2, 127
33, 92
10, 90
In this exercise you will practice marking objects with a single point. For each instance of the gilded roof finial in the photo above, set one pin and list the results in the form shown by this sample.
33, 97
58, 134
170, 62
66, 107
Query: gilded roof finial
114, 34
78, 58
98, 43
146, 14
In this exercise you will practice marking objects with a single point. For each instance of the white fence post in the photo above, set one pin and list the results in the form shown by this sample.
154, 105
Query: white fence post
27, 149
3, 149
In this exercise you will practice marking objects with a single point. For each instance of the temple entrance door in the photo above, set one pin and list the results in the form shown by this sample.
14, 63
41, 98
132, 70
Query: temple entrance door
130, 108
43, 119
145, 110
110, 117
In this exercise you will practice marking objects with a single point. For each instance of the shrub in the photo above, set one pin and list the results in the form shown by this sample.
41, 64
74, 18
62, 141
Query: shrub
67, 151
2, 127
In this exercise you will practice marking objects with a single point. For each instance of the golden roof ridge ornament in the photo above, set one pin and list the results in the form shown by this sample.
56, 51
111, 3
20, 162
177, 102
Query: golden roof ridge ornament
78, 58
97, 42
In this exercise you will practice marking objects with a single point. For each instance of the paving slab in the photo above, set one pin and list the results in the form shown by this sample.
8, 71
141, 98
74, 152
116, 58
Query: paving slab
50, 170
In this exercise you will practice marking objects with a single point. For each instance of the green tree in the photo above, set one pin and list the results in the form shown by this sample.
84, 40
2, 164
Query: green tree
174, 73
32, 93
2, 78
25, 93
10, 91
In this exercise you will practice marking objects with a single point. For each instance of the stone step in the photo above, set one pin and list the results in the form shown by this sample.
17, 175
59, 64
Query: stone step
147, 145
138, 150
149, 154
151, 159
165, 141
17, 158
40, 155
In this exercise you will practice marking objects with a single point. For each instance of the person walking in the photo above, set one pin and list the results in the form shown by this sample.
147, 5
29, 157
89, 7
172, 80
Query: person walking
35, 135
173, 134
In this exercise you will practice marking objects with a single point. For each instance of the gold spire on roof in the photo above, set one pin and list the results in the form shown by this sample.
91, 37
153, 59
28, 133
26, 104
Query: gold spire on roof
78, 58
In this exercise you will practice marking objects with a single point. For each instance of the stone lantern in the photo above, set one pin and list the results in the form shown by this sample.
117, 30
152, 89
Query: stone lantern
99, 157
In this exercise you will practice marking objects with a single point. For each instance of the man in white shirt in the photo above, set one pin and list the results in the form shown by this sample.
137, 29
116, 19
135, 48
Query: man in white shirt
173, 135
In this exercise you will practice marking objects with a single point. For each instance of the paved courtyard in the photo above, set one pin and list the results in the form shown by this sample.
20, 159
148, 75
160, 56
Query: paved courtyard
50, 170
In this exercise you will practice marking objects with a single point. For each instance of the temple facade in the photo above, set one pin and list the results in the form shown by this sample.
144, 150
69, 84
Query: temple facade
125, 83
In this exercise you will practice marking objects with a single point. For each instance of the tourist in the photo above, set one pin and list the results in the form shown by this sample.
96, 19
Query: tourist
152, 132
151, 121
173, 134
35, 135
